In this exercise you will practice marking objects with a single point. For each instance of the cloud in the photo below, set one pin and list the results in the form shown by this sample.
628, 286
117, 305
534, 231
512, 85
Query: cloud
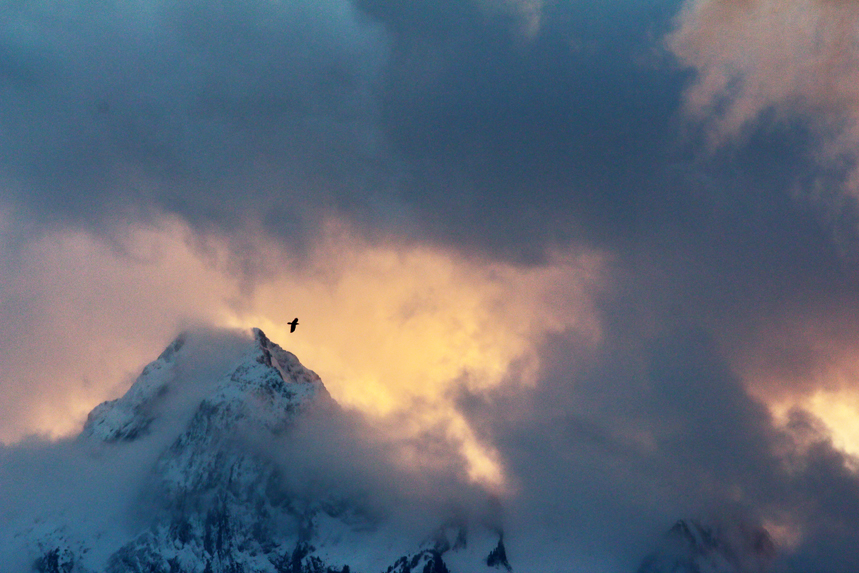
499, 246
392, 329
608, 452
511, 147
424, 119
429, 322
417, 481
215, 112
765, 59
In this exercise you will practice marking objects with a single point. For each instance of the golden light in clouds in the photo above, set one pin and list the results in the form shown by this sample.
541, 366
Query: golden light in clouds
394, 328
82, 317
838, 410
824, 382
394, 331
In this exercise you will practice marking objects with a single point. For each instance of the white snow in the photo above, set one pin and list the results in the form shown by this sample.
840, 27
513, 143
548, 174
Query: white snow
199, 417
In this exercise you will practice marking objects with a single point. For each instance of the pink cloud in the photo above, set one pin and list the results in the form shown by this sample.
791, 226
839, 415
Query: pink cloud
797, 58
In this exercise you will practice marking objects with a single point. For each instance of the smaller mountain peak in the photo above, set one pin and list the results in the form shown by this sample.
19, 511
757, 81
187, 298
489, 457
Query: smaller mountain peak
169, 353
732, 547
693, 534
212, 367
128, 417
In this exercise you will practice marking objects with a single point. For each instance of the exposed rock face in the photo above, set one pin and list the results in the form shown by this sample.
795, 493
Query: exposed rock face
498, 557
691, 547
215, 500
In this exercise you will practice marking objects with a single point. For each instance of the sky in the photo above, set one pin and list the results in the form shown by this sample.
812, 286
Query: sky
608, 252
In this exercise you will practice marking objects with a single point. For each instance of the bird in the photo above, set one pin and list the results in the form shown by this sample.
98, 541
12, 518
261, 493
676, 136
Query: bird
293, 324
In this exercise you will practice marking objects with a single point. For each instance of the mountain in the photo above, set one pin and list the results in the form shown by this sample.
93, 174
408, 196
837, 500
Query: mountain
210, 464
694, 547
209, 492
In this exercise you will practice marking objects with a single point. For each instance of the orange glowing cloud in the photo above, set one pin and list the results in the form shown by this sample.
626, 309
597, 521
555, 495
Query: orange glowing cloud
812, 365
840, 412
392, 329
387, 323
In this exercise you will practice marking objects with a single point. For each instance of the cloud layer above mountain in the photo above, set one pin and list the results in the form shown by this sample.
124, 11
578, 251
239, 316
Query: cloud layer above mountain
607, 251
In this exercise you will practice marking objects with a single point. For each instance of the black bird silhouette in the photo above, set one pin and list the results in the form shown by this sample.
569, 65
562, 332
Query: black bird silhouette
293, 324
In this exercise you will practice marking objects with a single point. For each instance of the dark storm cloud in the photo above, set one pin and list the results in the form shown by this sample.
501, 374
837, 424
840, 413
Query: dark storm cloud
442, 116
510, 143
209, 110
440, 119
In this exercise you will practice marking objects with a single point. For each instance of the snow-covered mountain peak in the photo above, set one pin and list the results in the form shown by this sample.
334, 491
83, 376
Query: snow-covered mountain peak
128, 417
238, 375
225, 456
268, 386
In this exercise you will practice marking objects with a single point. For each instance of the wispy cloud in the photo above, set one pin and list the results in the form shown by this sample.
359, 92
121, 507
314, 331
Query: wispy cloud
775, 60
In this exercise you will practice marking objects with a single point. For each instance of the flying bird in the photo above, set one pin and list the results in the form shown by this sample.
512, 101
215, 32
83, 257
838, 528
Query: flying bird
293, 324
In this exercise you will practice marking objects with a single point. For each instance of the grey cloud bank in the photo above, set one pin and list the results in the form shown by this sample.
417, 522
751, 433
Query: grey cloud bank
439, 116
618, 451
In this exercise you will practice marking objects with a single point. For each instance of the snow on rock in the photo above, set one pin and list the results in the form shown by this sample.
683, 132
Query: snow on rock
213, 498
264, 383
128, 417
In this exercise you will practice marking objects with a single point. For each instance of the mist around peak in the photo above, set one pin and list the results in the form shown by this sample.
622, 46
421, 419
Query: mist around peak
215, 402
686, 442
